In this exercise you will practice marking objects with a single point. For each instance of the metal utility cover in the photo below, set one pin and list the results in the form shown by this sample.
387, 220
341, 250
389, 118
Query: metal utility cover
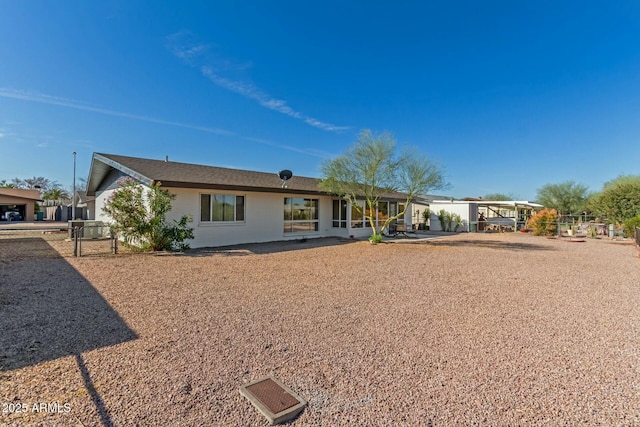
276, 401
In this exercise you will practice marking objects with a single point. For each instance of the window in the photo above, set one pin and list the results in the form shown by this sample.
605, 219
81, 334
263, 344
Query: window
357, 219
340, 213
221, 208
380, 213
383, 212
400, 209
300, 215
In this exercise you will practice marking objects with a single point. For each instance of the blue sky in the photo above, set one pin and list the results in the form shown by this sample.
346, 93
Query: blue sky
505, 96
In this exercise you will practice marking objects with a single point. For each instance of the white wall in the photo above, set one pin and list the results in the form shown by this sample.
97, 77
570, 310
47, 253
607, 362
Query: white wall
263, 222
101, 197
461, 209
263, 219
417, 208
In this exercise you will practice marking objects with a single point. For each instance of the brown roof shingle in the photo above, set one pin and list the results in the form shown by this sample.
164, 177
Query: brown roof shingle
188, 175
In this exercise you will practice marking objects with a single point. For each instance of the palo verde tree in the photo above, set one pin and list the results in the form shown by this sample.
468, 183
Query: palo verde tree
500, 197
140, 217
567, 197
371, 168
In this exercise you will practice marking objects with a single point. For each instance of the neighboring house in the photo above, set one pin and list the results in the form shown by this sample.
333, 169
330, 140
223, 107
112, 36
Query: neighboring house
232, 206
16, 202
85, 206
421, 203
480, 214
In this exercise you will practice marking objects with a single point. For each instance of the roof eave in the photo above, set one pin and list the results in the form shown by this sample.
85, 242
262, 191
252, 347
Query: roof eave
102, 172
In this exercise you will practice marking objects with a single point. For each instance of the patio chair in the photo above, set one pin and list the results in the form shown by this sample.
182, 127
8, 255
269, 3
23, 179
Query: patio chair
401, 229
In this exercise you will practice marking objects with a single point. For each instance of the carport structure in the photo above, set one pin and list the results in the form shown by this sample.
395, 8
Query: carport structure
483, 215
20, 200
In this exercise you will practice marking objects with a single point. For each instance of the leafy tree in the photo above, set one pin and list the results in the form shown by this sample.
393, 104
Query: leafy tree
499, 196
140, 216
37, 182
567, 197
56, 194
372, 167
630, 225
622, 179
619, 199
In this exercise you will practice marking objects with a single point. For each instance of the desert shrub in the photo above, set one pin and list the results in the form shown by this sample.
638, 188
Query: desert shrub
448, 218
442, 214
544, 223
426, 215
375, 238
139, 216
458, 220
630, 225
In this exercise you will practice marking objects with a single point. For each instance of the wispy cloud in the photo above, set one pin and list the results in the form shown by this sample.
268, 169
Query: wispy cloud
69, 103
308, 151
183, 46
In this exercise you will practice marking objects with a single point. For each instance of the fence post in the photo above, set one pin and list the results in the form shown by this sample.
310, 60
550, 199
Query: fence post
81, 233
75, 241
114, 243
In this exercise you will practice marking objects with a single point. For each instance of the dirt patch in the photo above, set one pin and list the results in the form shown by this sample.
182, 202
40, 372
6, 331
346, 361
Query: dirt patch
471, 329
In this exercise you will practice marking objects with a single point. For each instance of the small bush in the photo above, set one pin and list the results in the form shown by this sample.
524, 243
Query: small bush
375, 239
442, 214
630, 225
458, 220
544, 223
426, 215
448, 217
139, 217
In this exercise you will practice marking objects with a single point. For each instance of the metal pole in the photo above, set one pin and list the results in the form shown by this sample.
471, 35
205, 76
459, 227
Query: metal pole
73, 200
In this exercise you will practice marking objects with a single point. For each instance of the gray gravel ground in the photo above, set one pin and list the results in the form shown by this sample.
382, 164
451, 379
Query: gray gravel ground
473, 329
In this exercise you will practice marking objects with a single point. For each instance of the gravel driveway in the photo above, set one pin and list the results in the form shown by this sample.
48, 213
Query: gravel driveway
472, 329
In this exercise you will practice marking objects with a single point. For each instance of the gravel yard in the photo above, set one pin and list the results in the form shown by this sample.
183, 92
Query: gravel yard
472, 329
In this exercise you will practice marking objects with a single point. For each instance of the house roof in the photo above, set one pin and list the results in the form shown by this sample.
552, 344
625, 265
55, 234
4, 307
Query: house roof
482, 202
81, 197
20, 193
187, 175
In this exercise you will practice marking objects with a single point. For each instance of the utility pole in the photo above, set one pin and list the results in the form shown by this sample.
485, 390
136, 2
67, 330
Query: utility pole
73, 196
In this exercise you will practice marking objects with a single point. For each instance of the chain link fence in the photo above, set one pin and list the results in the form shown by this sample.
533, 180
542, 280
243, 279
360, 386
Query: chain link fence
92, 239
77, 238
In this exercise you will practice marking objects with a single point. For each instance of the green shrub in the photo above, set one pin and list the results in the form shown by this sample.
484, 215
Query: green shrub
630, 225
426, 215
442, 215
448, 217
458, 220
544, 223
140, 217
375, 239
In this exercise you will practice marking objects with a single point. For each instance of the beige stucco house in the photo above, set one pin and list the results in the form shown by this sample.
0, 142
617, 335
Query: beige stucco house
19, 201
233, 206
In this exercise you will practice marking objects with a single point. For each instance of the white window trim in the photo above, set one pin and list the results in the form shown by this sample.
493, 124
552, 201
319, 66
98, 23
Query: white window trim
293, 221
202, 223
